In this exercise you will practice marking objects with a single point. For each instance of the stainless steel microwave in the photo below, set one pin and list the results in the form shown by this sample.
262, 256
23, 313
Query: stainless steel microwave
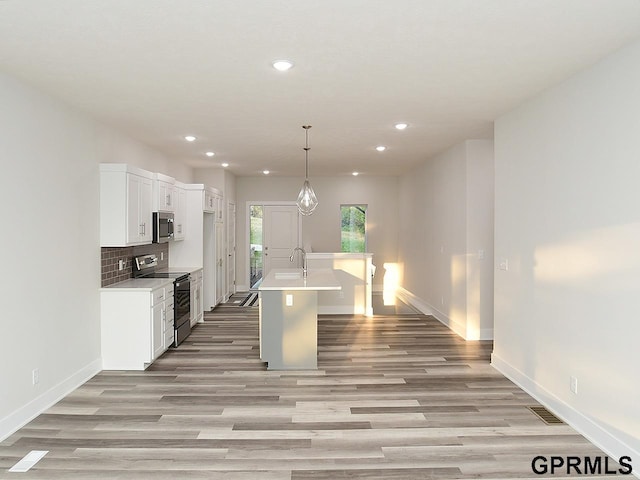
162, 227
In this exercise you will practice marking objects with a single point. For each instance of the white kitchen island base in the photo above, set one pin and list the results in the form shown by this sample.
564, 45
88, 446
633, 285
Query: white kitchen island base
289, 334
289, 317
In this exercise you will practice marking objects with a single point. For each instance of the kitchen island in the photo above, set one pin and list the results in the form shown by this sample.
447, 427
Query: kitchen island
289, 317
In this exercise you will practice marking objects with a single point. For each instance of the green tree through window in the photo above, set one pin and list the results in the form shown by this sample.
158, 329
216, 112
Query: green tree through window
353, 228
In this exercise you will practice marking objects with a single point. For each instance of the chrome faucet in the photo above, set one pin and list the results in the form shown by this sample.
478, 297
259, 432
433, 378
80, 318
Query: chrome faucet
304, 260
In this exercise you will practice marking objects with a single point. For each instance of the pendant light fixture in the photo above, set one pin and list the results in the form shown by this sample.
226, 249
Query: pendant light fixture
307, 200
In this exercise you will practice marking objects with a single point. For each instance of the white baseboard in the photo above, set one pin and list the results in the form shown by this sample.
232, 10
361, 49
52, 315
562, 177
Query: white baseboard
26, 413
594, 432
427, 309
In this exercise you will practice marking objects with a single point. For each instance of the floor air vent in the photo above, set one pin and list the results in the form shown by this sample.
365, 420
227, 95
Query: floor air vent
545, 415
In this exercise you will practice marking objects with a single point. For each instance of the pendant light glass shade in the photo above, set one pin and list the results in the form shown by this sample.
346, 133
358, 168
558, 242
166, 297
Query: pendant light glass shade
307, 200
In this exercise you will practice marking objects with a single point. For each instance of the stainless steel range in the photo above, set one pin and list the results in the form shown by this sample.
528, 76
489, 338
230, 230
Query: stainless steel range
145, 266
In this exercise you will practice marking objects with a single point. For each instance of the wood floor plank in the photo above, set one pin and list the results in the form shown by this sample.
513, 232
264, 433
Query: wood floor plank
395, 396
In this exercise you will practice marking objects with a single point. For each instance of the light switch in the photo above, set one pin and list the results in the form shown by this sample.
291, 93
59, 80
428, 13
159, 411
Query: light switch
288, 300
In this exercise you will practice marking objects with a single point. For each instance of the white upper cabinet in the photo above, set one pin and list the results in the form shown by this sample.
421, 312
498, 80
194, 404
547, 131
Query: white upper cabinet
164, 193
180, 211
125, 205
209, 200
213, 202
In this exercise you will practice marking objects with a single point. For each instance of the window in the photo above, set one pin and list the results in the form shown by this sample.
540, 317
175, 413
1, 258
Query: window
353, 228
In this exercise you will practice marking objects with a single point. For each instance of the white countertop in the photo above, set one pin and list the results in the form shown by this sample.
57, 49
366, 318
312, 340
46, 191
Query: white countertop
317, 279
179, 269
138, 284
149, 283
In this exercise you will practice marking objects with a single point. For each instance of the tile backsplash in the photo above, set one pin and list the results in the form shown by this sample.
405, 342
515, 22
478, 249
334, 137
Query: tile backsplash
111, 255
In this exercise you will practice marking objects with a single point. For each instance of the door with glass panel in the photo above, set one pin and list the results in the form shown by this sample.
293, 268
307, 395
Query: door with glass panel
274, 233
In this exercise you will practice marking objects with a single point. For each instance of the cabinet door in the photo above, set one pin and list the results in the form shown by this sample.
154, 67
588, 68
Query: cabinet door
134, 226
193, 315
199, 301
138, 212
145, 214
166, 197
158, 313
180, 213
168, 323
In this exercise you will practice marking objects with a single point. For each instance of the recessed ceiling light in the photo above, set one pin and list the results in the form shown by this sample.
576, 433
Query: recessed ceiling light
266, 172
401, 126
209, 154
282, 65
225, 164
381, 148
189, 138
355, 174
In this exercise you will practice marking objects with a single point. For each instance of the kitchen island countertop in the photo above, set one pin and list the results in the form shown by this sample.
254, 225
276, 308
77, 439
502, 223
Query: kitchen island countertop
292, 279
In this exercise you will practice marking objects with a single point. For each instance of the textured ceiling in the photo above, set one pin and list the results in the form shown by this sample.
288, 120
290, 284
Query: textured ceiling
160, 69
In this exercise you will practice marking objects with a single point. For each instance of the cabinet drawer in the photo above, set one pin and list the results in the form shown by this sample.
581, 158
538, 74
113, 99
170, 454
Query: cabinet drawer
168, 338
158, 296
168, 318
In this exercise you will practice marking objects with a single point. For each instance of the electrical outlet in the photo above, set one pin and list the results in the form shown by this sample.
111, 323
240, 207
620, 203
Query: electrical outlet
573, 385
35, 376
120, 264
480, 254
288, 300
161, 256
504, 264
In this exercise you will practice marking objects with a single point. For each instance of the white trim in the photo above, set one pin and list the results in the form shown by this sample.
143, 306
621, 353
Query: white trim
26, 413
594, 432
427, 309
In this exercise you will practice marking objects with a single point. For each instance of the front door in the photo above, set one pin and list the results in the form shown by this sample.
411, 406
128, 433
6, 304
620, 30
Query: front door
281, 234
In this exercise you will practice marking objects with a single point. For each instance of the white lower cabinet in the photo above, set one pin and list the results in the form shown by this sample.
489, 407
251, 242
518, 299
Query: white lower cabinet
136, 325
197, 311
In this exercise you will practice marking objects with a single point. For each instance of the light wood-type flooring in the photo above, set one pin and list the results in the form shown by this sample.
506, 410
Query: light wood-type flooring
396, 396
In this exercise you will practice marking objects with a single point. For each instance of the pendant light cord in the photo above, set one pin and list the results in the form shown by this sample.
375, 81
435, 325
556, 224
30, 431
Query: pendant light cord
306, 151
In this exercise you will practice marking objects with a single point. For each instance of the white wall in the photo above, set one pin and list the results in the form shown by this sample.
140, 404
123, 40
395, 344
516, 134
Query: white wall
219, 178
446, 218
568, 222
322, 229
49, 156
480, 211
115, 147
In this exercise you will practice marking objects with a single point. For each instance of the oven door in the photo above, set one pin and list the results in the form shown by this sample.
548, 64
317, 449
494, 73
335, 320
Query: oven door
182, 309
